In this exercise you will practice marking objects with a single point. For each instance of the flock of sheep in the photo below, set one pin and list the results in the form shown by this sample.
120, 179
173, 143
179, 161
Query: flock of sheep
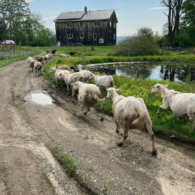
129, 112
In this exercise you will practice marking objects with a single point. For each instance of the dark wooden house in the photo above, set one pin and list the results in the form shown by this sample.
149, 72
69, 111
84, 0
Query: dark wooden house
86, 27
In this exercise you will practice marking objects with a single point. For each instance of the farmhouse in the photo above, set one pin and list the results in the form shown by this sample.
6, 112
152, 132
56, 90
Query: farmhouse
86, 27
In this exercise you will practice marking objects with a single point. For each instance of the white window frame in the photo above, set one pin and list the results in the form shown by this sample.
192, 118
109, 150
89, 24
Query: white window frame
97, 23
81, 24
69, 24
80, 36
69, 35
95, 35
114, 36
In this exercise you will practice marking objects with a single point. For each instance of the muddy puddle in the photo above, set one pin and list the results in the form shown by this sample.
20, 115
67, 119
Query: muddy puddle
39, 97
173, 73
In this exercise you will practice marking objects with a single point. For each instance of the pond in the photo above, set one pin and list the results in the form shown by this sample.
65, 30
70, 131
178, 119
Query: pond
173, 73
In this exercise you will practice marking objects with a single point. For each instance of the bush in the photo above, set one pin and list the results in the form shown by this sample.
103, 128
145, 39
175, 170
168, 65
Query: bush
143, 43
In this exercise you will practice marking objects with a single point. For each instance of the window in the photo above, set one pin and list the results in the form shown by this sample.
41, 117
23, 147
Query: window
94, 36
81, 35
114, 25
69, 36
69, 24
80, 24
114, 36
110, 24
97, 23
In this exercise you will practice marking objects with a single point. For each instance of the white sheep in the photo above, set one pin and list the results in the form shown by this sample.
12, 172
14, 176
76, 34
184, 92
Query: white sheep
72, 78
129, 113
29, 59
64, 55
87, 74
88, 96
38, 67
31, 63
47, 57
63, 67
181, 104
58, 75
103, 82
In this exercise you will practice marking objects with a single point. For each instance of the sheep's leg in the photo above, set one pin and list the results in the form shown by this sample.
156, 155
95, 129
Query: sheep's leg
123, 138
32, 69
117, 127
163, 107
85, 113
56, 82
151, 133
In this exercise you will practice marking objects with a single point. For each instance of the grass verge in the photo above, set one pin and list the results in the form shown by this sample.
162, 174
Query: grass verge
71, 169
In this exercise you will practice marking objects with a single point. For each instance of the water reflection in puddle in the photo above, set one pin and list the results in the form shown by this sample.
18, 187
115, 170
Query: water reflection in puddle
175, 73
39, 97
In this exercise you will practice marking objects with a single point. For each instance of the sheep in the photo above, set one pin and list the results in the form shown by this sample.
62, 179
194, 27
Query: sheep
88, 96
58, 75
54, 52
103, 82
73, 69
87, 74
48, 50
72, 78
72, 53
38, 67
64, 55
47, 57
181, 104
29, 59
64, 67
130, 112
32, 62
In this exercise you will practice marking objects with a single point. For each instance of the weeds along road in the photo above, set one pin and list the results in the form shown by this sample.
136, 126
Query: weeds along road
28, 167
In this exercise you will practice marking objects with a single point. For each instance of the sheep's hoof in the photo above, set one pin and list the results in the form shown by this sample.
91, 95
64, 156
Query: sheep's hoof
102, 119
154, 153
119, 144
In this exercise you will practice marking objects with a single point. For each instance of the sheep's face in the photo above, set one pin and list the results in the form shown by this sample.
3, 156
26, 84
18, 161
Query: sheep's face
52, 69
79, 67
110, 92
158, 87
90, 76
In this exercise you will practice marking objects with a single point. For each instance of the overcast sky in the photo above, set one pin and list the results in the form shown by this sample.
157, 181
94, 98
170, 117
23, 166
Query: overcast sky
131, 14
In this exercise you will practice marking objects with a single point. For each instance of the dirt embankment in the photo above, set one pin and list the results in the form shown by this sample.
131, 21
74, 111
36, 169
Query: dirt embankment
28, 167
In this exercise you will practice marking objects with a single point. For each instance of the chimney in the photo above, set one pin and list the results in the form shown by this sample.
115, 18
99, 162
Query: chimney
85, 9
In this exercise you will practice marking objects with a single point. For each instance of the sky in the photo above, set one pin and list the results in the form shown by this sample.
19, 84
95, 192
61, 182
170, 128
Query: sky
131, 14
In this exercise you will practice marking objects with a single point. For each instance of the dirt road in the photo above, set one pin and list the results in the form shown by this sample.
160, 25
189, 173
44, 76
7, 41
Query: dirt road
28, 167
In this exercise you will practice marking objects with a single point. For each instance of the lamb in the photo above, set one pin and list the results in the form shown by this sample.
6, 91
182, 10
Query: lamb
54, 52
64, 55
32, 62
64, 67
181, 104
129, 113
42, 58
87, 74
88, 96
48, 50
72, 78
103, 82
38, 67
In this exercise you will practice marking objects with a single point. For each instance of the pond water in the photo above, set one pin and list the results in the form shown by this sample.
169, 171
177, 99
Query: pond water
173, 73
39, 97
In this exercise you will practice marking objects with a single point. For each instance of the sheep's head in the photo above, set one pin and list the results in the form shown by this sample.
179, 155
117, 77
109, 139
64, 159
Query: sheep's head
111, 91
53, 69
79, 67
158, 87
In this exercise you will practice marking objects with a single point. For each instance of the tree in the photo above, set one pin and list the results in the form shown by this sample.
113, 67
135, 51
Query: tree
173, 16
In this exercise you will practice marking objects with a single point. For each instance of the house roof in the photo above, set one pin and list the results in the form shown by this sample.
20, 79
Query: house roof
82, 16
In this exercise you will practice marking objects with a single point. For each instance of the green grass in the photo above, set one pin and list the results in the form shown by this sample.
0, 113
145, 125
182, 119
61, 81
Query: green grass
34, 51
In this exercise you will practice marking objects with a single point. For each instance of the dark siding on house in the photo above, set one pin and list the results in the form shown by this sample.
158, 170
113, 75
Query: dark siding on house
103, 31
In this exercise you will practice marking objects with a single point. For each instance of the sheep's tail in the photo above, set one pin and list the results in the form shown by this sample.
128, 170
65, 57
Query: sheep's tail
101, 102
140, 111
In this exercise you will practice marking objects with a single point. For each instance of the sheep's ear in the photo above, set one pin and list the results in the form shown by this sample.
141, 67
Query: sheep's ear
166, 85
117, 89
